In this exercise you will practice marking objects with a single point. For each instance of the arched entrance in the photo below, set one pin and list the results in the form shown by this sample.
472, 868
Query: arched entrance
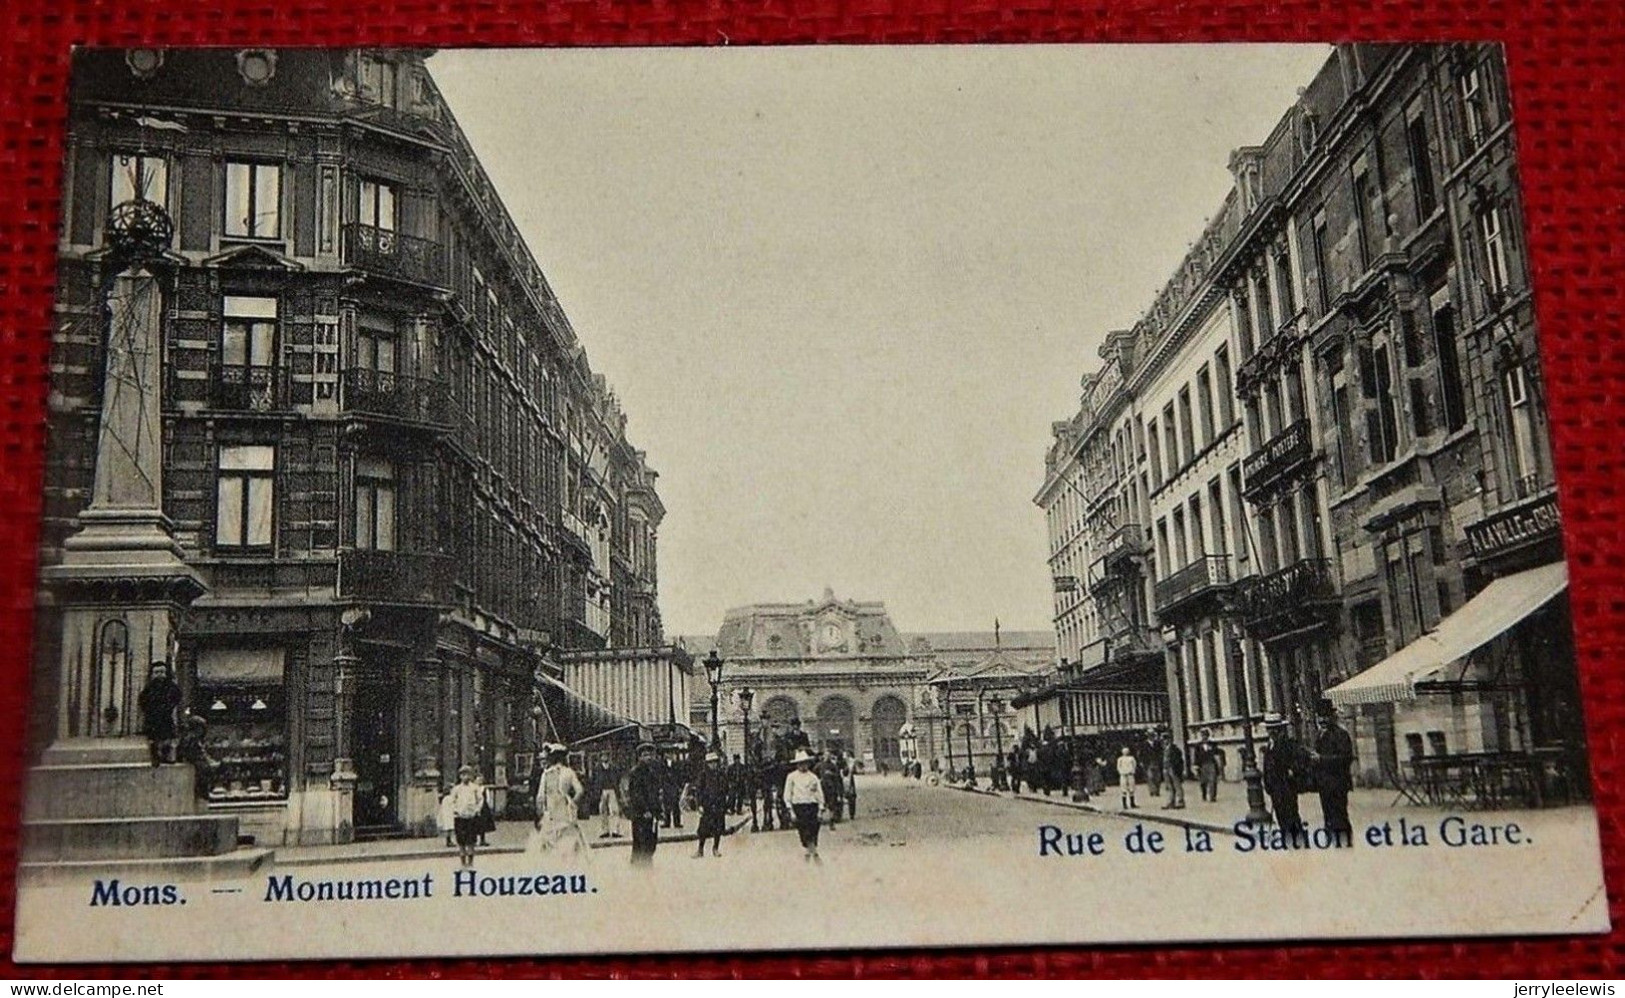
887, 720
835, 727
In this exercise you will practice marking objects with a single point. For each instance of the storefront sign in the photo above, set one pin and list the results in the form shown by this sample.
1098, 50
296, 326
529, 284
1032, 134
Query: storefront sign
1514, 528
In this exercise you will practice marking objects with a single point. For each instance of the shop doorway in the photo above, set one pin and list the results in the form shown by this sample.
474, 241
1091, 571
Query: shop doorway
374, 744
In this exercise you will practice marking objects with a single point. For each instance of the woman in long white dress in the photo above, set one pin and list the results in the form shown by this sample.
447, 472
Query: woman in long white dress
558, 797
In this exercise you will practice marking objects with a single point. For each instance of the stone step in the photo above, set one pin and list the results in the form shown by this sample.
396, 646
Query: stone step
96, 752
129, 838
235, 865
109, 790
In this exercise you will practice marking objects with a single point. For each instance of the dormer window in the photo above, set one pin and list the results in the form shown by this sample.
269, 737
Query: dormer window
378, 81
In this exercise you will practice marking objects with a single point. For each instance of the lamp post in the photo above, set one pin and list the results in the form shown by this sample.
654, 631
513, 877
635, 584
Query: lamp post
746, 696
1257, 812
970, 757
713, 674
996, 706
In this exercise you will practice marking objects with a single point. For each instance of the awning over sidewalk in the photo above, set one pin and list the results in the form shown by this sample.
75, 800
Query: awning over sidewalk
1501, 605
575, 719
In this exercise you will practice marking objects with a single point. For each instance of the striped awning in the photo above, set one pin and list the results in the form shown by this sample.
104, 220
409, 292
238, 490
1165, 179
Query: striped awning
1495, 610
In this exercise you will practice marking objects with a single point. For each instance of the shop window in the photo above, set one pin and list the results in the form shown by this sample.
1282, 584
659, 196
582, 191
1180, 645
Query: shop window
239, 694
245, 498
137, 176
253, 205
374, 504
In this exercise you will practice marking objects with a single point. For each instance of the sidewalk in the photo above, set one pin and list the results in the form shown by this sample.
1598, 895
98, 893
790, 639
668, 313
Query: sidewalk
1367, 806
509, 838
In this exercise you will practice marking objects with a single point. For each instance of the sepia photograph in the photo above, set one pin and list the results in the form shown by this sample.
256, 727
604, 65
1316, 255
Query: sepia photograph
537, 501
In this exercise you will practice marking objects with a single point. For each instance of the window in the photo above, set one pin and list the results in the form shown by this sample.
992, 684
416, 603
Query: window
1337, 382
1416, 142
1421, 421
1287, 523
1493, 237
1382, 423
375, 345
1163, 554
1187, 433
1221, 368
1244, 323
376, 205
1282, 260
1314, 542
1452, 392
1210, 676
1267, 320
246, 378
1323, 277
253, 200
1267, 553
1156, 453
1204, 404
139, 177
1215, 506
378, 81
1521, 451
244, 500
374, 504
1198, 540
1182, 553
240, 696
1292, 384
1361, 180
1170, 435
1472, 106
1238, 516
1273, 417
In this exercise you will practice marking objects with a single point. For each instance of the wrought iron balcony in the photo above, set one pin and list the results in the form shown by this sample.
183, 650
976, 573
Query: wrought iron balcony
388, 253
1126, 541
1296, 597
1187, 589
402, 577
1284, 452
389, 395
1129, 639
248, 388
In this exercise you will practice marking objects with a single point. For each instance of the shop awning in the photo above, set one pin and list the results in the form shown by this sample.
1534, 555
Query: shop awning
1502, 604
575, 719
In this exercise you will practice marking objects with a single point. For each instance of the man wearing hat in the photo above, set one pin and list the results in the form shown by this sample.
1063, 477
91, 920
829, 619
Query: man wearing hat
1334, 754
711, 791
804, 792
1284, 769
643, 805
465, 802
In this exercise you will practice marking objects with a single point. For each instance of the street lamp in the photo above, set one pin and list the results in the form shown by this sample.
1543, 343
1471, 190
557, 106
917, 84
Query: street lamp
1257, 812
746, 696
996, 705
970, 757
713, 674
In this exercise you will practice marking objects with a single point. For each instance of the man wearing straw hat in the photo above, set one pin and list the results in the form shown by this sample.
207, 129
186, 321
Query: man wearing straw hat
804, 792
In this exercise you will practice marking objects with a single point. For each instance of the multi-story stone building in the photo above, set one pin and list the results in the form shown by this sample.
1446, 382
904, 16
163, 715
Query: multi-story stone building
1342, 430
385, 455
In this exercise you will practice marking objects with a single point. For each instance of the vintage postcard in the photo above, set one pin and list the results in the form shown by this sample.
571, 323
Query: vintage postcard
580, 501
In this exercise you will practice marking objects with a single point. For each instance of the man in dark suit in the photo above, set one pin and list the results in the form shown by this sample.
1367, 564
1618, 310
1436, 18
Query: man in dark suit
1334, 755
644, 786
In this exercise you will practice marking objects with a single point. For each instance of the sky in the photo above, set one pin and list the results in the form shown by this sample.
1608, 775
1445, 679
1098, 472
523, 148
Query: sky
843, 292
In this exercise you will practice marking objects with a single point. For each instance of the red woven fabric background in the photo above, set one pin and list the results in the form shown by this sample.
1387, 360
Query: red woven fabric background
1567, 62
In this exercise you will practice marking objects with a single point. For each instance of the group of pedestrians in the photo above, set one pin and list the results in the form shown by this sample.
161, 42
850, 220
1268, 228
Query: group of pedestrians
1290, 769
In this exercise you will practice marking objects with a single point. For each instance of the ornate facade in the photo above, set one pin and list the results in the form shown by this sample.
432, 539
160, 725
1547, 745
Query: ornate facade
385, 454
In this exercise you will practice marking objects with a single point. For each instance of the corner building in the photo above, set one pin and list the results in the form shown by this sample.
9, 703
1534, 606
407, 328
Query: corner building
1337, 442
384, 451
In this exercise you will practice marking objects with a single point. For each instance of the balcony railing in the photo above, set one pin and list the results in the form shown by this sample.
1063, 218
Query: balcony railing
1205, 576
1128, 639
390, 254
1288, 599
404, 577
396, 396
247, 388
1127, 540
1285, 451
